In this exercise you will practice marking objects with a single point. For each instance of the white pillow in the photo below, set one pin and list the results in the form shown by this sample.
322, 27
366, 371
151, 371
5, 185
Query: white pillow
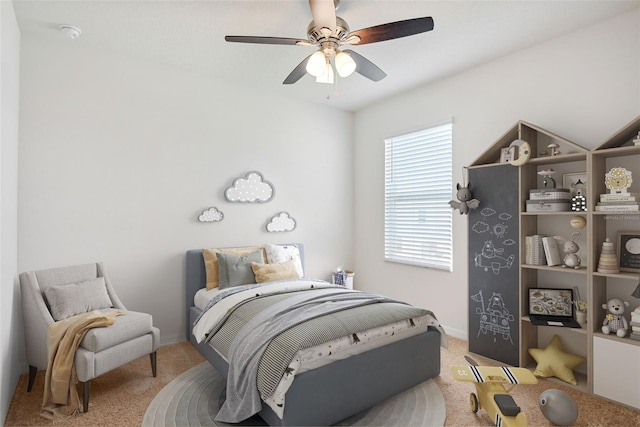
283, 253
69, 300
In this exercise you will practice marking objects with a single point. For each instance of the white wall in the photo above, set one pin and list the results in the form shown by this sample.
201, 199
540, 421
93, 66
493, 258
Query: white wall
10, 314
583, 86
118, 157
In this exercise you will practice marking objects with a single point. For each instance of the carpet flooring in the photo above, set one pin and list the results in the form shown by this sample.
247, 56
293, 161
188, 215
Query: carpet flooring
122, 396
194, 398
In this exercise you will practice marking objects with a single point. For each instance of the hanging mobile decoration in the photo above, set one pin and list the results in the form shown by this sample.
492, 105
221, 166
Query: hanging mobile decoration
465, 196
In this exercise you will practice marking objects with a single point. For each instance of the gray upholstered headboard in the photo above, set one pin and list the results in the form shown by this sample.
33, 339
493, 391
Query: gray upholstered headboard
197, 277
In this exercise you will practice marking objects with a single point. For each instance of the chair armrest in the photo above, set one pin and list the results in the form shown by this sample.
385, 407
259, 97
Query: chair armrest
37, 319
102, 272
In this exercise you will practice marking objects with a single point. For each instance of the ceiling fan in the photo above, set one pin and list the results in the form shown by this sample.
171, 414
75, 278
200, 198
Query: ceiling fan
329, 33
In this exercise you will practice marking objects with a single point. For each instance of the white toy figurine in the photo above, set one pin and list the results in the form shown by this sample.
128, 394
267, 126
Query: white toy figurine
570, 249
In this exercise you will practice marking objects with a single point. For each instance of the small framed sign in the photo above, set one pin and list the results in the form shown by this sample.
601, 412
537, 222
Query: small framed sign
506, 155
629, 250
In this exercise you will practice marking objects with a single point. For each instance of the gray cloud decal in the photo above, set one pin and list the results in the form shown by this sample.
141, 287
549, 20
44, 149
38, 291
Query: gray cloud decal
281, 222
250, 189
211, 215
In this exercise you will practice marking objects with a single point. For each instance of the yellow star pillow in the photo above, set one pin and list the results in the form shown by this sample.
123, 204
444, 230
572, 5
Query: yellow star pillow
553, 361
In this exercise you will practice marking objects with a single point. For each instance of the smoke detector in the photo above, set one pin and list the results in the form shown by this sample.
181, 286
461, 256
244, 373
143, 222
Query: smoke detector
70, 31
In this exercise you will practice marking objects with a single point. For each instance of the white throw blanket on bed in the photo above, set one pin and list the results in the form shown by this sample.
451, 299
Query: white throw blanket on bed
211, 318
243, 399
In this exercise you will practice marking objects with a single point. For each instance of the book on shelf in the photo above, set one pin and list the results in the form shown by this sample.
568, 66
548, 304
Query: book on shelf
551, 251
618, 208
618, 202
631, 197
534, 251
635, 336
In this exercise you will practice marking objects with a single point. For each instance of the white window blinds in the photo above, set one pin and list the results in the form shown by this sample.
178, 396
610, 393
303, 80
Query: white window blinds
418, 183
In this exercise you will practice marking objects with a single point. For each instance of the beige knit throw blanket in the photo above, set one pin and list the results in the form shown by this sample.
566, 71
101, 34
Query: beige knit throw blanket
61, 398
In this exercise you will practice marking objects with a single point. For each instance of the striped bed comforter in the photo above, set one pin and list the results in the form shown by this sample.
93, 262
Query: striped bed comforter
260, 329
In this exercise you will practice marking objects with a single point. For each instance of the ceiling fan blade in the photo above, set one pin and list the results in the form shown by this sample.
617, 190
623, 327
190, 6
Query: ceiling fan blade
265, 40
324, 14
392, 30
366, 67
297, 72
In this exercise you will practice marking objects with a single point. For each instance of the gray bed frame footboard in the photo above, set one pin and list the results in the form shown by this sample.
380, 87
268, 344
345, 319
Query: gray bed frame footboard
331, 393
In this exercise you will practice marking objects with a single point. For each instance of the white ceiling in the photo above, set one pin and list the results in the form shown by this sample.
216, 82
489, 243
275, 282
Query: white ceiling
190, 34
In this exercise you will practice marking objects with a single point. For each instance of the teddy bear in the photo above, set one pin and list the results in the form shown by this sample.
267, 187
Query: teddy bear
614, 321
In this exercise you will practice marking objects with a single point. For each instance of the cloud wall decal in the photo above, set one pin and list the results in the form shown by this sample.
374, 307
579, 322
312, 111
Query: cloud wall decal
251, 188
211, 215
281, 222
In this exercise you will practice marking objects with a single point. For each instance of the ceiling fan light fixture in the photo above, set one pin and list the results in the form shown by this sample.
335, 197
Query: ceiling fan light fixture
316, 65
327, 75
345, 65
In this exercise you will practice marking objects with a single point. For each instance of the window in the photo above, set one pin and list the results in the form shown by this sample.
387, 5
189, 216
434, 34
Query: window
417, 191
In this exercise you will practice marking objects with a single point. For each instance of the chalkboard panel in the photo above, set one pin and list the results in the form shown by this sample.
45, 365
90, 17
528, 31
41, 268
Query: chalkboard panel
493, 264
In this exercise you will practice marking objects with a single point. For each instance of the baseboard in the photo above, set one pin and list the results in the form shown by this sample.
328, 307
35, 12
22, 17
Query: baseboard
171, 339
456, 333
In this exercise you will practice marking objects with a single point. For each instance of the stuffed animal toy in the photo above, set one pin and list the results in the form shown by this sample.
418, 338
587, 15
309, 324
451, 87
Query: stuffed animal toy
570, 249
614, 321
465, 200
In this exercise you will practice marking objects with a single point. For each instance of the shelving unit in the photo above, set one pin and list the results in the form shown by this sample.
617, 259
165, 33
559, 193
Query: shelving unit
612, 369
616, 381
573, 159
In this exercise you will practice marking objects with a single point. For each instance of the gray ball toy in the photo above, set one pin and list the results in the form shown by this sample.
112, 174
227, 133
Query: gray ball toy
558, 407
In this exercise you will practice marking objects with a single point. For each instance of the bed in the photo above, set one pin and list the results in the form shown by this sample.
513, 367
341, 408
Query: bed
332, 391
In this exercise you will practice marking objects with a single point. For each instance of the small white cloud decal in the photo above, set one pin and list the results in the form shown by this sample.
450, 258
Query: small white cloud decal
281, 222
211, 215
252, 188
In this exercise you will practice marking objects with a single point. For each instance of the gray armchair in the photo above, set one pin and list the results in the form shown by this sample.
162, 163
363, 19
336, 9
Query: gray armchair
44, 301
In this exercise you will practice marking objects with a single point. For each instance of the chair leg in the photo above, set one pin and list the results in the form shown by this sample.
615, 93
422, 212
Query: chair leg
153, 357
86, 388
32, 377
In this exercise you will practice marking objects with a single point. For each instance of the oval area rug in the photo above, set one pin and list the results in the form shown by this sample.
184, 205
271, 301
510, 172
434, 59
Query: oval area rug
194, 397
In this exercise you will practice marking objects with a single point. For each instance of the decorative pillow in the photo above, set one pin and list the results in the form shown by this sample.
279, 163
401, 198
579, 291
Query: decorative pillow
553, 361
235, 270
272, 272
282, 253
76, 298
211, 262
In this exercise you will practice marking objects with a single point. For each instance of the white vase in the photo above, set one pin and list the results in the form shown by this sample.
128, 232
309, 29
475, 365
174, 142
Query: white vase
581, 317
